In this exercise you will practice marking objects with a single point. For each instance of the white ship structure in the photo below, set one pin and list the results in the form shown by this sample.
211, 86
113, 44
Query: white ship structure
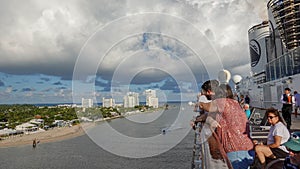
275, 55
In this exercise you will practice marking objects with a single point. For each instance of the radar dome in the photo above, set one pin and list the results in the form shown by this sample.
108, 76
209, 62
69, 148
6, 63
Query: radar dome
237, 78
224, 76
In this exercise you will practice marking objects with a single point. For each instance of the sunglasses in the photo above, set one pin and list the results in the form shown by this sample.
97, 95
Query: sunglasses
294, 136
271, 117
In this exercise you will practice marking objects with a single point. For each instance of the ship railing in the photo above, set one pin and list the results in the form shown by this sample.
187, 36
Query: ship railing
198, 156
202, 157
264, 104
286, 65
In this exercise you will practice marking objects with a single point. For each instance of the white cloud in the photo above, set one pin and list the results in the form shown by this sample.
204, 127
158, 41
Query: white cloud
45, 37
50, 33
8, 89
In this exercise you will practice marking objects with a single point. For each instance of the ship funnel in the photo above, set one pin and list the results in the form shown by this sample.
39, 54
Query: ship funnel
224, 76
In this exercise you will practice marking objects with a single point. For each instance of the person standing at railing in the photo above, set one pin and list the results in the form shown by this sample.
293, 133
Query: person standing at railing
287, 107
242, 100
297, 102
204, 96
247, 99
231, 127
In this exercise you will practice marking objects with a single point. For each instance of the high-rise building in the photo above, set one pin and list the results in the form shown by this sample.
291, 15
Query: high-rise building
86, 103
131, 99
153, 102
108, 102
151, 99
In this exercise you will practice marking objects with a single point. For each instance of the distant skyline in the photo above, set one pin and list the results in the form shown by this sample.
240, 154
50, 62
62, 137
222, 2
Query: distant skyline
60, 51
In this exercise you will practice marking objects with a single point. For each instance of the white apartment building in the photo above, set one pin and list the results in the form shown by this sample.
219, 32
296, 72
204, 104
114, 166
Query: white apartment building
110, 102
86, 103
131, 99
151, 99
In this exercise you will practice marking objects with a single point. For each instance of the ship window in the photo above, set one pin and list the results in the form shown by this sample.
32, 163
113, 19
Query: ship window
279, 92
277, 69
272, 71
283, 67
289, 64
268, 72
296, 59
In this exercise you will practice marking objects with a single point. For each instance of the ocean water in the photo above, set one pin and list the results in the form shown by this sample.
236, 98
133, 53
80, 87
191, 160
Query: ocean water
90, 151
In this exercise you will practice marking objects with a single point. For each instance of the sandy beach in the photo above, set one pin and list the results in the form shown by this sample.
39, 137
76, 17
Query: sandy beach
51, 135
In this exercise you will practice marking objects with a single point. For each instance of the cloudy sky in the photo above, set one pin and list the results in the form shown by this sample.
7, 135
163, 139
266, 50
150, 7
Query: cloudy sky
60, 51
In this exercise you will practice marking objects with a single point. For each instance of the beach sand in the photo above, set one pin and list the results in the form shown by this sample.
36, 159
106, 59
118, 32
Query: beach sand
51, 135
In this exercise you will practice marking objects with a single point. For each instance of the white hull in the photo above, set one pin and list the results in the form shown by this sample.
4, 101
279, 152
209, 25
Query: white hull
268, 94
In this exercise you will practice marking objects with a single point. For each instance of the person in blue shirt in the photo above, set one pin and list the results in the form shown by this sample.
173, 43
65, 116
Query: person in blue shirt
247, 110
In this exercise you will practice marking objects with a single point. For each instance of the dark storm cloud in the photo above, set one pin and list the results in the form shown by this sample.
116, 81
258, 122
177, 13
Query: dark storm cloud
106, 86
47, 90
170, 84
27, 90
61, 88
100, 83
45, 79
57, 83
1, 83
106, 89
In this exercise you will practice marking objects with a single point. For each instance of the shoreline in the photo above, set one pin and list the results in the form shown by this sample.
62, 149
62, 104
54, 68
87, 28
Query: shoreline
51, 135
58, 133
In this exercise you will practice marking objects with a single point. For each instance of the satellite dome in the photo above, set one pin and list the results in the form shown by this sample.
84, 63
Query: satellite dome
237, 78
224, 76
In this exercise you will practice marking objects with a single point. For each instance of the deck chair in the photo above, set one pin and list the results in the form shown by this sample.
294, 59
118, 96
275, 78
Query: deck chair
259, 126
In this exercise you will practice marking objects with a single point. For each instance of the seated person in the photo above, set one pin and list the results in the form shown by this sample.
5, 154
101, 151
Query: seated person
278, 135
247, 110
293, 160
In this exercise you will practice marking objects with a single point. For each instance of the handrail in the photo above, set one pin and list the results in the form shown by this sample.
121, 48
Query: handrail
198, 163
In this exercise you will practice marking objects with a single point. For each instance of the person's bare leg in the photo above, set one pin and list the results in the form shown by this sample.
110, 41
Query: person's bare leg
263, 151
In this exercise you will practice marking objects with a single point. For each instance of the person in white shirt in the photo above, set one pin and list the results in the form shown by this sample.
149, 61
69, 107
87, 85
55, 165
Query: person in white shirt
278, 135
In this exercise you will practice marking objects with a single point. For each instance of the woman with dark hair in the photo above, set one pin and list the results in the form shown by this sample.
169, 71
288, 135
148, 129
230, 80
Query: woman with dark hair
277, 136
233, 127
